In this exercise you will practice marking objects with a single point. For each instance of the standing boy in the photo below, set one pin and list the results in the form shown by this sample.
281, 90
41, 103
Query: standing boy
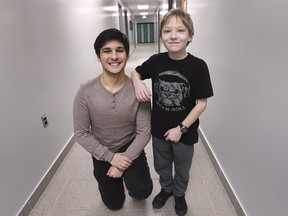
111, 124
180, 86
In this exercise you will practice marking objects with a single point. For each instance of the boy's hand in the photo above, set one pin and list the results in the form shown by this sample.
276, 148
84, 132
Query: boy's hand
142, 92
173, 135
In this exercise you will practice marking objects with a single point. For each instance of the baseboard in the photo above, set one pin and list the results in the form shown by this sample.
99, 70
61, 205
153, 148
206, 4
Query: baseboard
31, 202
229, 190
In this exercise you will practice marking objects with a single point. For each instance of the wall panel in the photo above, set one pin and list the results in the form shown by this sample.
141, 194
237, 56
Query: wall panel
46, 52
245, 46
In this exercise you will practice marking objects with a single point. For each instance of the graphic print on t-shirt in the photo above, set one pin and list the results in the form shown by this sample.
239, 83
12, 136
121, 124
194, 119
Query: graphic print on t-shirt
171, 88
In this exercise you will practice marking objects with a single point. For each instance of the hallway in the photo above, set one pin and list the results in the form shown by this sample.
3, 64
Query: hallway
73, 190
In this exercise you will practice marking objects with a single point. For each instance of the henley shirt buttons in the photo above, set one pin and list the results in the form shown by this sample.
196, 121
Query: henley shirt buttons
113, 106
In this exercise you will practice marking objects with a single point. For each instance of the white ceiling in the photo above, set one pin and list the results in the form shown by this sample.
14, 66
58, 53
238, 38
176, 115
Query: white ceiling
132, 5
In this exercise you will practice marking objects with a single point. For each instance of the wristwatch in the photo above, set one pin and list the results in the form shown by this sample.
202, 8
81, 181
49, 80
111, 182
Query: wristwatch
183, 128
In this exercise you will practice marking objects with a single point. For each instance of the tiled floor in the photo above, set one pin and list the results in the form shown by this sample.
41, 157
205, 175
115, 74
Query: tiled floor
73, 190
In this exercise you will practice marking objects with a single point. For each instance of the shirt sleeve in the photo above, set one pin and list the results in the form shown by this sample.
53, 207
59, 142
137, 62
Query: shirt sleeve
204, 86
143, 131
146, 68
82, 132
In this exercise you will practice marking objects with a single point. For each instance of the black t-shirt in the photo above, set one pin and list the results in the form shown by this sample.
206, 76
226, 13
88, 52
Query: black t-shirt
176, 85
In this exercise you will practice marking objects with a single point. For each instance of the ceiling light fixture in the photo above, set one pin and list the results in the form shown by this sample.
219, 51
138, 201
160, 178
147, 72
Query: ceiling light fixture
143, 13
143, 7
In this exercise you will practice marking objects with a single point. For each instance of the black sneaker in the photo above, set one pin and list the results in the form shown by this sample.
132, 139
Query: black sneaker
180, 205
160, 199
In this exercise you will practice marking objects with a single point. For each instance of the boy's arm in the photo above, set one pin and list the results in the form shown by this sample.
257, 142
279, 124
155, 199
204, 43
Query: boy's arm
142, 92
174, 134
195, 112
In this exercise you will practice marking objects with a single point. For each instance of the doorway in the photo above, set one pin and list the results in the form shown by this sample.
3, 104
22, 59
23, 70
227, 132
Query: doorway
145, 33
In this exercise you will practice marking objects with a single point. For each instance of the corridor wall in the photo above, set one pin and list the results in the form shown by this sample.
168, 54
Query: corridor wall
245, 124
46, 52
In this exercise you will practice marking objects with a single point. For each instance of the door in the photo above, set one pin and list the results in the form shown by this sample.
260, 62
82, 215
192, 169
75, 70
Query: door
145, 32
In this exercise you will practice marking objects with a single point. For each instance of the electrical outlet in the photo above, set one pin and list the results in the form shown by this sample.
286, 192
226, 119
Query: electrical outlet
44, 120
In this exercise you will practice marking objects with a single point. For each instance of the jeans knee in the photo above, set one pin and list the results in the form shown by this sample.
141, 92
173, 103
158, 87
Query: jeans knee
142, 192
113, 204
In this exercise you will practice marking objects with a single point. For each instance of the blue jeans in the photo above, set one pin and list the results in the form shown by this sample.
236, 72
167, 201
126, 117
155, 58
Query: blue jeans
166, 154
137, 180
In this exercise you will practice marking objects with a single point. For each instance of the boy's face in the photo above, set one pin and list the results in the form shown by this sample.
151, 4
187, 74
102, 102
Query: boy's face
175, 36
113, 57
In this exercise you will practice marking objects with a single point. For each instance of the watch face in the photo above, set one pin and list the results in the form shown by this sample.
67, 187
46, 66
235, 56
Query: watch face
184, 129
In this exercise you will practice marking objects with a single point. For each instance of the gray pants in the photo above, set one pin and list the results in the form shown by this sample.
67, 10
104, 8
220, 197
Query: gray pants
166, 153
